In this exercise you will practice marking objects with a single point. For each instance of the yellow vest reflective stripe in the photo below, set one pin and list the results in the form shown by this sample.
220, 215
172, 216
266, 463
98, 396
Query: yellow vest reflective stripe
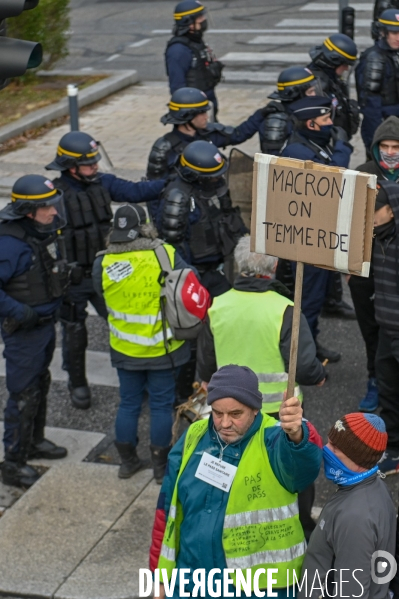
132, 296
261, 527
246, 328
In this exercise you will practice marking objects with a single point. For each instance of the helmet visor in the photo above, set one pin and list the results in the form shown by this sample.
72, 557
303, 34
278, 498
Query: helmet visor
50, 216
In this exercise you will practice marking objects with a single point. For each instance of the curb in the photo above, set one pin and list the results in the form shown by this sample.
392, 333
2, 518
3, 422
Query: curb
97, 91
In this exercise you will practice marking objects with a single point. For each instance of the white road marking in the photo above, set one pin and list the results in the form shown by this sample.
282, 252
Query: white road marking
254, 76
316, 23
333, 7
251, 31
99, 369
112, 57
304, 40
140, 43
283, 57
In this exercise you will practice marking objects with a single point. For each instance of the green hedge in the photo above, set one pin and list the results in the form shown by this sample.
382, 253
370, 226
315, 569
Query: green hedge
48, 24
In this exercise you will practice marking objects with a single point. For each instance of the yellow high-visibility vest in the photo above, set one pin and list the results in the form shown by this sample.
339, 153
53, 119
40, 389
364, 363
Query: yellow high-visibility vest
261, 530
246, 328
132, 296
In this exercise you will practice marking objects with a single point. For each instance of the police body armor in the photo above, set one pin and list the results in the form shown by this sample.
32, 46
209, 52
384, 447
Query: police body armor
89, 216
218, 228
275, 128
48, 277
376, 80
205, 71
347, 114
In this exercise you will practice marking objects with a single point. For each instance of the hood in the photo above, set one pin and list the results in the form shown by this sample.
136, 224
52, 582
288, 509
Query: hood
389, 129
245, 282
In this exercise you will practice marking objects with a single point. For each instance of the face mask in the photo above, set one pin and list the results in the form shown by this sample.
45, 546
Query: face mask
321, 138
204, 26
88, 178
385, 230
389, 161
340, 474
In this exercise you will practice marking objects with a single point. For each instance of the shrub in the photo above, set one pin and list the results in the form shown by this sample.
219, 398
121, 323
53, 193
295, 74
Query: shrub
48, 24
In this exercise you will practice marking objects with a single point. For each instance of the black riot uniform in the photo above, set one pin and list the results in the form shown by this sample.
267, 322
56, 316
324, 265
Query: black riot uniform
293, 83
196, 217
185, 104
337, 50
88, 210
377, 76
379, 7
33, 279
189, 61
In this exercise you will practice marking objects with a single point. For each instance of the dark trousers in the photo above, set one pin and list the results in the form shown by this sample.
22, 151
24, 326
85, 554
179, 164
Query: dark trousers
28, 355
362, 292
75, 311
315, 289
387, 371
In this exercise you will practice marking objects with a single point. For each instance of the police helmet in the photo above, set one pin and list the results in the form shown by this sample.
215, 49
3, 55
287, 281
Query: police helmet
75, 148
389, 20
202, 160
336, 50
293, 83
185, 14
184, 105
31, 192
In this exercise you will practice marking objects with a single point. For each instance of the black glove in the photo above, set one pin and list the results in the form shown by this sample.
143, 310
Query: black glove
339, 134
30, 319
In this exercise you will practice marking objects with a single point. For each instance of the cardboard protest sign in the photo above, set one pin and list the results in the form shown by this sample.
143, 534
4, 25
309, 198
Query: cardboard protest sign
312, 213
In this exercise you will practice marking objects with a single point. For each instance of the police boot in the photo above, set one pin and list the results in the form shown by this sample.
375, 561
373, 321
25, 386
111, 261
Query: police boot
130, 460
76, 343
159, 457
42, 448
18, 475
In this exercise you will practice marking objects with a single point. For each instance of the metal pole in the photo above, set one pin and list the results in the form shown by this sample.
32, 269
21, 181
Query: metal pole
72, 92
341, 4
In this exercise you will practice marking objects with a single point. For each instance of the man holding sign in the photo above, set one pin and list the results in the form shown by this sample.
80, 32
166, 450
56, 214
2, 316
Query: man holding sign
230, 490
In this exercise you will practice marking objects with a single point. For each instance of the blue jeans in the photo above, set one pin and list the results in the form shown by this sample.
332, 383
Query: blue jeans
160, 385
314, 292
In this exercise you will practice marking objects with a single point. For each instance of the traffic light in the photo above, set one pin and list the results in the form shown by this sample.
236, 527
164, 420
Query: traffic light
348, 21
16, 55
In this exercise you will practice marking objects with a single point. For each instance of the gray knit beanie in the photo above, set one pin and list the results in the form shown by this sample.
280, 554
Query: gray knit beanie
238, 382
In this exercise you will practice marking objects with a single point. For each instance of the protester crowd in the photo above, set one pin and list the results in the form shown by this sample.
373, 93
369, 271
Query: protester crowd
176, 314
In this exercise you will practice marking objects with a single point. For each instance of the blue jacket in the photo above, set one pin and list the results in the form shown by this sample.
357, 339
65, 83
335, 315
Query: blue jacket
178, 58
340, 155
204, 506
122, 190
373, 110
15, 259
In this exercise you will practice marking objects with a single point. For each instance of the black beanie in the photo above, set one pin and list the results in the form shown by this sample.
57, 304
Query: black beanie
381, 199
238, 382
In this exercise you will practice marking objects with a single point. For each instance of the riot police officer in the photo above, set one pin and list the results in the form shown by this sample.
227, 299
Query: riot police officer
293, 83
188, 113
329, 61
33, 279
379, 7
189, 61
196, 214
315, 138
377, 75
88, 195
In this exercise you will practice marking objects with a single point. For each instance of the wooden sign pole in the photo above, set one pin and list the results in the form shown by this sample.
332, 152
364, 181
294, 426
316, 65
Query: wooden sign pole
295, 329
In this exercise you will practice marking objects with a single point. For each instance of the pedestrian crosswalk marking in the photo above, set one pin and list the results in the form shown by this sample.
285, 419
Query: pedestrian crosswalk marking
316, 23
283, 57
254, 76
304, 40
333, 7
325, 30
